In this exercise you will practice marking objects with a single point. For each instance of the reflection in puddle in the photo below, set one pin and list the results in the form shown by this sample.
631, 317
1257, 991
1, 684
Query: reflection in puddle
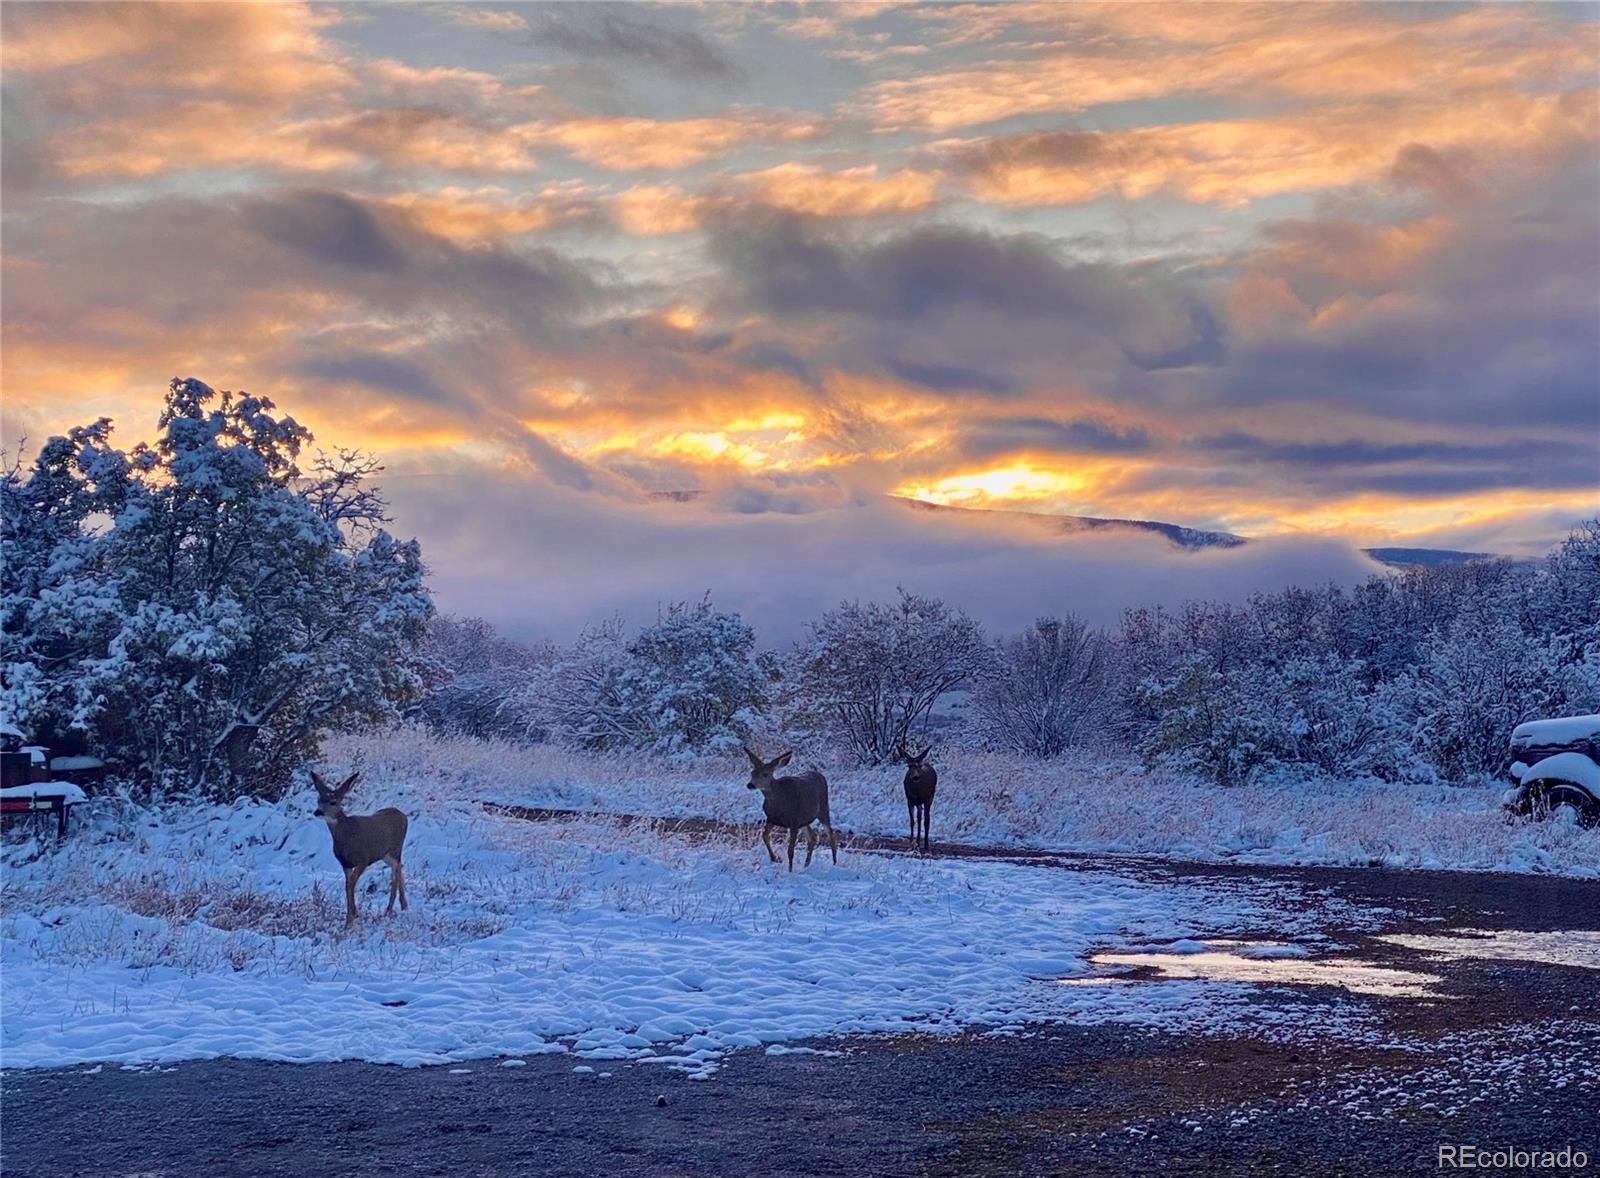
1216, 964
1578, 948
1103, 980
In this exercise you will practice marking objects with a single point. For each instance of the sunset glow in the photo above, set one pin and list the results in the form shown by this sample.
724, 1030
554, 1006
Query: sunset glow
1274, 268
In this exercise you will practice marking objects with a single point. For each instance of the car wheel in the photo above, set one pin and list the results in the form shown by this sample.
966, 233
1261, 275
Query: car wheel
1552, 797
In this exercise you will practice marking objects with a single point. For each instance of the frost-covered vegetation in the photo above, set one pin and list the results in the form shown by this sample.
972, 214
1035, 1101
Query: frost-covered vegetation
203, 613
1078, 802
200, 611
1414, 677
207, 929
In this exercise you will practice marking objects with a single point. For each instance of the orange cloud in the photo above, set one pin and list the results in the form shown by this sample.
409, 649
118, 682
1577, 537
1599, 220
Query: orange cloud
635, 144
859, 191
1240, 160
207, 134
241, 50
651, 209
1344, 53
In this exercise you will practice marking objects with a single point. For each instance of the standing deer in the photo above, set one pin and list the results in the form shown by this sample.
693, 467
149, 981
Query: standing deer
793, 803
360, 840
921, 780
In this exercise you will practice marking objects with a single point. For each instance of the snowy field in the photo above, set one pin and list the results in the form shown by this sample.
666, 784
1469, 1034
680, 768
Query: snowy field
218, 931
997, 800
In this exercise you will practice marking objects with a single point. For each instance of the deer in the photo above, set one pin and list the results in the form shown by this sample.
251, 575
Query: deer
360, 840
921, 781
793, 803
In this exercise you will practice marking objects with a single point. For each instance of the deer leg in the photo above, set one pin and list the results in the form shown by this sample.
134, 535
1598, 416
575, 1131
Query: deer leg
394, 883
351, 874
794, 833
927, 821
832, 846
400, 874
911, 810
811, 843
766, 837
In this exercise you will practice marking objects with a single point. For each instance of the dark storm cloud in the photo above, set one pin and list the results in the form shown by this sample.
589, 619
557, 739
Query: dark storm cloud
788, 265
954, 309
625, 36
946, 378
377, 370
1487, 318
186, 264
332, 232
1416, 468
1016, 435
768, 357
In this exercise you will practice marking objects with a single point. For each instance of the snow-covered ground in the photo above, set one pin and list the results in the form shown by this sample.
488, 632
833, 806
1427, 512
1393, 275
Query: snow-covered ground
218, 930
993, 799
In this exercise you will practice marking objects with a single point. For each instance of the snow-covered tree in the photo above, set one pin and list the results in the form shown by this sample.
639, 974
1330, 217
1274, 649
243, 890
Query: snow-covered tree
872, 673
1204, 723
1478, 679
477, 678
199, 609
1045, 690
1316, 711
690, 682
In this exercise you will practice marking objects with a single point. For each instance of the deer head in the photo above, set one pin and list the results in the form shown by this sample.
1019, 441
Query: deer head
761, 771
915, 760
330, 799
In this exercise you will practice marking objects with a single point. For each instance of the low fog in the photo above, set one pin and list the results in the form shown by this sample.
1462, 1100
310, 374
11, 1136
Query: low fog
541, 561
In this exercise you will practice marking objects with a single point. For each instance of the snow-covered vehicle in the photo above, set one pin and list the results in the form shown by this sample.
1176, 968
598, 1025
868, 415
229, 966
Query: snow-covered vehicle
1556, 765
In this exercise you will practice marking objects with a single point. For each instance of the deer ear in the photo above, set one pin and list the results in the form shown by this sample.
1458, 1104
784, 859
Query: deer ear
348, 783
316, 780
754, 760
783, 760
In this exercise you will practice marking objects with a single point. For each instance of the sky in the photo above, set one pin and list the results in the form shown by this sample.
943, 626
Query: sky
1322, 275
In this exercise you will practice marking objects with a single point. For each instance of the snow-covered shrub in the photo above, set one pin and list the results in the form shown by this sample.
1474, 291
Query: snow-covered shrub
871, 673
477, 678
200, 611
1321, 714
1206, 725
1045, 690
1479, 679
691, 681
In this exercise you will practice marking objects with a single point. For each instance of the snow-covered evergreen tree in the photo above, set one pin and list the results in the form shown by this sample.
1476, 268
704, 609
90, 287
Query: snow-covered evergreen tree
201, 611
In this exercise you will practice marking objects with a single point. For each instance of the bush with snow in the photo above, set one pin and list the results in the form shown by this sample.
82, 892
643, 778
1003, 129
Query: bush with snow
199, 610
690, 682
476, 678
1046, 689
871, 674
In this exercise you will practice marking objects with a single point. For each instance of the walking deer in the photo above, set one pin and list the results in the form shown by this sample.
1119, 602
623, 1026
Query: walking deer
360, 840
793, 803
921, 780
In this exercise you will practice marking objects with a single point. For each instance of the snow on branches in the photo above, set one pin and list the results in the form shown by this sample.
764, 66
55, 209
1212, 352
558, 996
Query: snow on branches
199, 611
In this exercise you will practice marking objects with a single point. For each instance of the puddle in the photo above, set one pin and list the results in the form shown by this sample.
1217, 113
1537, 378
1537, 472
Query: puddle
1269, 963
1102, 980
1576, 948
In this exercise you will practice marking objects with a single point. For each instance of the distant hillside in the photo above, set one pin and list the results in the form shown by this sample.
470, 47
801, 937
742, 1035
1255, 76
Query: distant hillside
1176, 534
1425, 558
